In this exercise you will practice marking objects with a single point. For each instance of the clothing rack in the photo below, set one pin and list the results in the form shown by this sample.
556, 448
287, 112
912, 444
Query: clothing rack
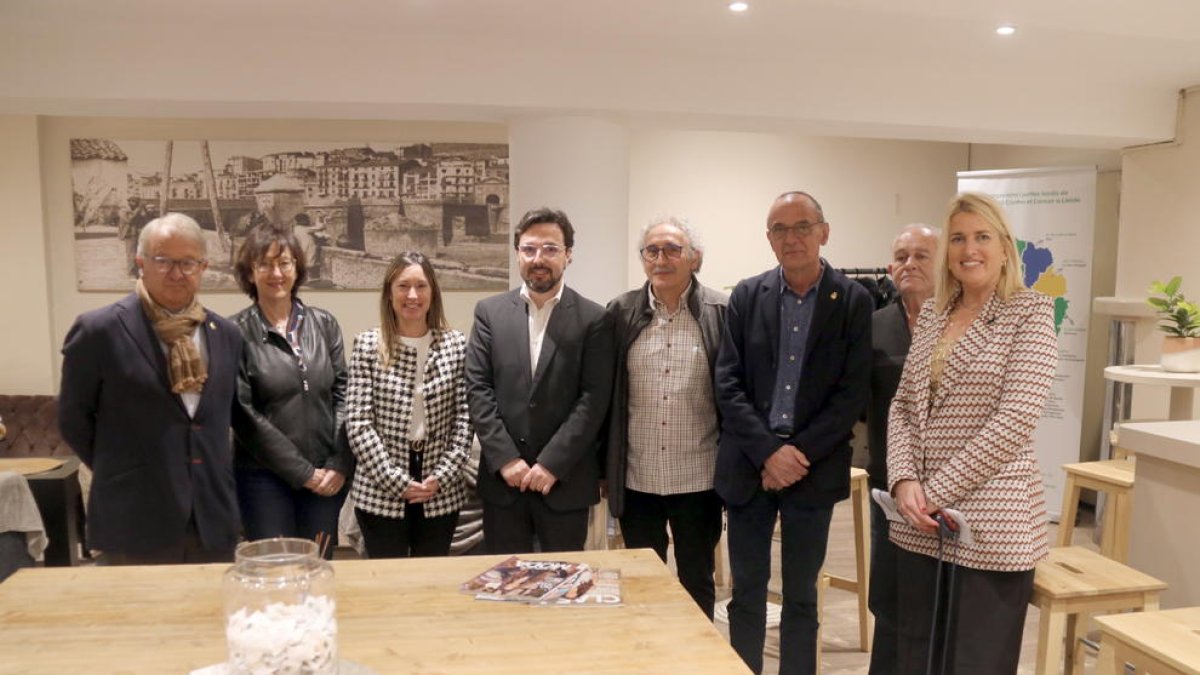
863, 271
876, 281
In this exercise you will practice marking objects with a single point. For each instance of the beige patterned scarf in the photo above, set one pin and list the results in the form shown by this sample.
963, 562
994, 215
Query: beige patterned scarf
186, 368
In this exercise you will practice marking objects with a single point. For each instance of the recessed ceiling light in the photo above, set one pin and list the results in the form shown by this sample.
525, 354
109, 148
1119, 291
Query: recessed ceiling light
739, 6
1006, 30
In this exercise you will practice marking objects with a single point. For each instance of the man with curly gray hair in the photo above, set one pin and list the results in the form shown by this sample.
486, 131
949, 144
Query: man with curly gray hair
662, 437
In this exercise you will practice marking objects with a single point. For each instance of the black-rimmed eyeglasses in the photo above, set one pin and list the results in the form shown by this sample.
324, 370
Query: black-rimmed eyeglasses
651, 252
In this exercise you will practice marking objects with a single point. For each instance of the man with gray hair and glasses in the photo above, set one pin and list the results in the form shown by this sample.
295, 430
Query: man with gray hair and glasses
147, 393
663, 422
792, 378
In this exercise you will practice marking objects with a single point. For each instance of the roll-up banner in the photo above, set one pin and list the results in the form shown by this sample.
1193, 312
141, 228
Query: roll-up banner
1052, 213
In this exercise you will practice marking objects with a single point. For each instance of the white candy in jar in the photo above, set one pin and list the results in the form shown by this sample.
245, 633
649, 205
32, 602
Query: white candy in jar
284, 639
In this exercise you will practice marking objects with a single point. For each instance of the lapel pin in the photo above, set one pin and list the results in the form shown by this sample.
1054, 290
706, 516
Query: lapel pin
212, 325
833, 295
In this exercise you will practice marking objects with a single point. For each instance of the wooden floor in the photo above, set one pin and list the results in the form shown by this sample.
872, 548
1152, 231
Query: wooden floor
840, 655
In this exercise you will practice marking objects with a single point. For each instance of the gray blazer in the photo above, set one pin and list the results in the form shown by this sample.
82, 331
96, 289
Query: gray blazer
552, 417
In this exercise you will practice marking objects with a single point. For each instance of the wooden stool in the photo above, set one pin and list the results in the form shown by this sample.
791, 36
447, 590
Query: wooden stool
1113, 477
860, 496
1162, 643
860, 500
1072, 583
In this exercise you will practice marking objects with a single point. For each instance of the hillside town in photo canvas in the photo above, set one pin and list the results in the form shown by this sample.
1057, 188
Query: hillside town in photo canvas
352, 205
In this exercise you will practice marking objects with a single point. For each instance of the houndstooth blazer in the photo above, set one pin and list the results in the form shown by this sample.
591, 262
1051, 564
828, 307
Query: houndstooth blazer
379, 412
971, 447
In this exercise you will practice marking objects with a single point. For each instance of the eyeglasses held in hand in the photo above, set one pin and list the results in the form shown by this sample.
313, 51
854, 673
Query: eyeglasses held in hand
669, 251
187, 266
548, 251
265, 266
802, 229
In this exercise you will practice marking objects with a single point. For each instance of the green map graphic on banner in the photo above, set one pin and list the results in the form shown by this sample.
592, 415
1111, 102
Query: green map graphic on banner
1041, 276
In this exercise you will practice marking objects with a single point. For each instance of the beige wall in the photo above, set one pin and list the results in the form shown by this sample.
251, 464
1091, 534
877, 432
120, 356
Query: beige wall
26, 346
1160, 233
724, 182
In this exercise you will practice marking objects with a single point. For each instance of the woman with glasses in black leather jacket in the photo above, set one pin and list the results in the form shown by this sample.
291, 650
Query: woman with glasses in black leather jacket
291, 459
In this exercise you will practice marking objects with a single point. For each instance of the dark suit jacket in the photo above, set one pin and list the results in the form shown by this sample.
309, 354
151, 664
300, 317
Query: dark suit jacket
830, 397
553, 417
154, 467
890, 339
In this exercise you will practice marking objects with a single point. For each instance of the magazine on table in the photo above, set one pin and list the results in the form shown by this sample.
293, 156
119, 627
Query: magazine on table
547, 582
591, 588
517, 580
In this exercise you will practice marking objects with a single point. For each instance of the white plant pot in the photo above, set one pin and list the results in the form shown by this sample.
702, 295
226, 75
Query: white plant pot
1180, 354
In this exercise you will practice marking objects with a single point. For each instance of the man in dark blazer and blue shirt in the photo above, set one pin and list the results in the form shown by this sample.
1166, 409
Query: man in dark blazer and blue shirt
539, 375
791, 379
147, 392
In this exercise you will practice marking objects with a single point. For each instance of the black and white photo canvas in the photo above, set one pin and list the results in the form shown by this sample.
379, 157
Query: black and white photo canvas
353, 206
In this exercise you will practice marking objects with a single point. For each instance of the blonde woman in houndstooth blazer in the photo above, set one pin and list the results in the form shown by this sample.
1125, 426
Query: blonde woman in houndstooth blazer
406, 417
960, 435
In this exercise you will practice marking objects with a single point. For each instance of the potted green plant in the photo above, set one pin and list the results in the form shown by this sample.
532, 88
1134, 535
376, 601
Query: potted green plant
1180, 320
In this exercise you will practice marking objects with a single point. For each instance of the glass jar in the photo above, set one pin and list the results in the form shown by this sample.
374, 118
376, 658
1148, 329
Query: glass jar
280, 611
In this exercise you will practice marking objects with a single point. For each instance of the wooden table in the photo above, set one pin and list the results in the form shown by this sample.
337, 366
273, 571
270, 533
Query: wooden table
1160, 643
393, 616
57, 495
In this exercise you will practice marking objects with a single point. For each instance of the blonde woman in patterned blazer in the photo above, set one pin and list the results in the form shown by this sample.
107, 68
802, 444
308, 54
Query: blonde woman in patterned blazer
960, 435
406, 416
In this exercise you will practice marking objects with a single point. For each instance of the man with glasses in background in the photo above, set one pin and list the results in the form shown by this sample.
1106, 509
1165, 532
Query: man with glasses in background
539, 376
792, 379
147, 391
663, 423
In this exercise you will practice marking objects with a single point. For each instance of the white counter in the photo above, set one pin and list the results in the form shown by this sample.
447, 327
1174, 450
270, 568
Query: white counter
1165, 538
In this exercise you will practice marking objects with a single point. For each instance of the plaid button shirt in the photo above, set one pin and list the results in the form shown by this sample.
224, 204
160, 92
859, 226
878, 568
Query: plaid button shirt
672, 413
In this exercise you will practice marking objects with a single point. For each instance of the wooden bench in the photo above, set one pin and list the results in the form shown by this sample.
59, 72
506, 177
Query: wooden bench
1073, 583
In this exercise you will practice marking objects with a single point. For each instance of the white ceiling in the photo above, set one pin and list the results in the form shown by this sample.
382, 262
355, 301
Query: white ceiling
1089, 73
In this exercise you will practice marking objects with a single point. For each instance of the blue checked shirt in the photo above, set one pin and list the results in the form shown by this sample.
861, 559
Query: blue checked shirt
795, 319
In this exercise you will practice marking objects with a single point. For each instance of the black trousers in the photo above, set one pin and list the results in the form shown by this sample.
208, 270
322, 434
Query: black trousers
189, 550
805, 533
695, 521
512, 528
988, 616
415, 535
884, 598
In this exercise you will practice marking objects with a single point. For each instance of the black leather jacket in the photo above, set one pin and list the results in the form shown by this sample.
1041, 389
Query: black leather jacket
285, 420
631, 313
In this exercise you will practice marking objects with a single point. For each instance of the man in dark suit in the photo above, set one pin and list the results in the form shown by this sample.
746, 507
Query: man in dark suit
146, 397
791, 379
912, 268
539, 374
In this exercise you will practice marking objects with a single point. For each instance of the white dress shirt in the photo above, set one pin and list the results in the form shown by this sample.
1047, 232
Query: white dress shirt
539, 318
